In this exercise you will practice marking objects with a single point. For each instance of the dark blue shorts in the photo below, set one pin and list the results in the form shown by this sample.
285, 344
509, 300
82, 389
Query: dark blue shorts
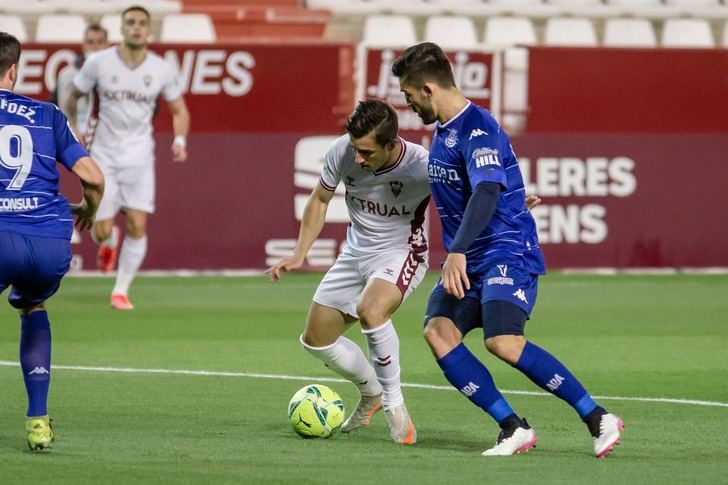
33, 266
500, 301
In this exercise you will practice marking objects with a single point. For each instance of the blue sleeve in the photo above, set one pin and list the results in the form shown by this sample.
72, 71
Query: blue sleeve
483, 158
478, 212
68, 149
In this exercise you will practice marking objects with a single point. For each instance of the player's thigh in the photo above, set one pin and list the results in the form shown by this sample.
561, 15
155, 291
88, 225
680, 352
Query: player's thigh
137, 188
46, 261
448, 320
508, 296
324, 325
341, 286
110, 201
403, 268
12, 250
377, 302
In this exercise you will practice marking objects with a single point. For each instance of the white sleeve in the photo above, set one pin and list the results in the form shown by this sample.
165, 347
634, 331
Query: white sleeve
86, 78
171, 89
331, 171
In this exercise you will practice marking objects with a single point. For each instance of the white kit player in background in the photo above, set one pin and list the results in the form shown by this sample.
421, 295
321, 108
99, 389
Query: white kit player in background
128, 80
385, 258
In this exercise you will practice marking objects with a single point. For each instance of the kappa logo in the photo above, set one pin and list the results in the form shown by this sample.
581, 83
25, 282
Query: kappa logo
39, 370
477, 132
470, 389
396, 187
521, 295
452, 138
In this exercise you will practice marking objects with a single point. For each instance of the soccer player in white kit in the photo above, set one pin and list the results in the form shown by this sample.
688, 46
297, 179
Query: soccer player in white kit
385, 258
128, 80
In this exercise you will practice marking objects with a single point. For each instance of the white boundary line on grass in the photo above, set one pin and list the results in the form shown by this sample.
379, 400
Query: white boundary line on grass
129, 370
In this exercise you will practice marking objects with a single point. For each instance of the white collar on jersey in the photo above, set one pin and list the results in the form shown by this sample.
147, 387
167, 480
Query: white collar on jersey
443, 125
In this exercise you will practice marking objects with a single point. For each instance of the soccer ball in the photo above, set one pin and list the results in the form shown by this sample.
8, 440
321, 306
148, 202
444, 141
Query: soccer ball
316, 411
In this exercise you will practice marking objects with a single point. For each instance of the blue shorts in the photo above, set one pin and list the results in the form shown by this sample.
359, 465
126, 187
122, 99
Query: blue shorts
33, 266
500, 300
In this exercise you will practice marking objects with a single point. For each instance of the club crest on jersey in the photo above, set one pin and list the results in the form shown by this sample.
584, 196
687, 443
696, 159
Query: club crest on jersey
477, 132
452, 138
114, 79
486, 156
147, 80
349, 180
396, 187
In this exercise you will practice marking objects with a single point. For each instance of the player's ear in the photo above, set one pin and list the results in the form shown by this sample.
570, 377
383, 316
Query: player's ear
427, 89
13, 74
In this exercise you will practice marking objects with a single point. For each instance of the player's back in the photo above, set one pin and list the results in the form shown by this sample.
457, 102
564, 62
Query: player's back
33, 134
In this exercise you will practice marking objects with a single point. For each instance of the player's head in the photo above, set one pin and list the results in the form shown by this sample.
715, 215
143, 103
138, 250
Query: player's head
372, 129
95, 38
135, 26
423, 71
9, 58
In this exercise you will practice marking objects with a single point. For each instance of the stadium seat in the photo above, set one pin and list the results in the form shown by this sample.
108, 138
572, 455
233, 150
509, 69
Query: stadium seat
451, 32
568, 31
575, 2
724, 40
693, 3
630, 3
687, 33
194, 28
112, 23
508, 31
629, 33
13, 24
517, 2
389, 30
60, 28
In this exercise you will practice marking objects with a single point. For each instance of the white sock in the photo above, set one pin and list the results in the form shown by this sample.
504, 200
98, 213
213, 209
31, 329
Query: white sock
111, 241
130, 259
346, 359
383, 344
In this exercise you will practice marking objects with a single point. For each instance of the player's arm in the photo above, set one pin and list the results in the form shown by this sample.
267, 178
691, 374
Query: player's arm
70, 108
181, 125
314, 217
92, 181
478, 211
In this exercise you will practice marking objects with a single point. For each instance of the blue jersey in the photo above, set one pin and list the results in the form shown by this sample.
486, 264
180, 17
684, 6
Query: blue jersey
469, 149
33, 136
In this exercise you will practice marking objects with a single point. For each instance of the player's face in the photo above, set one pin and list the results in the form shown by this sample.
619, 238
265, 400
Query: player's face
370, 155
94, 40
135, 28
419, 102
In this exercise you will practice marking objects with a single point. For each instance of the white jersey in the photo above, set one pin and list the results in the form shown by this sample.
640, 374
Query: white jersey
127, 101
387, 208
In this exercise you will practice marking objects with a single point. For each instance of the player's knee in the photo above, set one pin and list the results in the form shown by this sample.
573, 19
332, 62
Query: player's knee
436, 332
370, 316
506, 347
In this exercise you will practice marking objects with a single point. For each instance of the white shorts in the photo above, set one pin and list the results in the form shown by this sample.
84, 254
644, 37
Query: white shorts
343, 284
127, 188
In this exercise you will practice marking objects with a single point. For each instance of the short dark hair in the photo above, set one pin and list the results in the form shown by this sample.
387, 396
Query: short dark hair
9, 52
373, 115
422, 63
97, 28
136, 7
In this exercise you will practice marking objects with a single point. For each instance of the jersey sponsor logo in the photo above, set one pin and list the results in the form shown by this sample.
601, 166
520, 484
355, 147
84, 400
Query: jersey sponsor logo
39, 370
19, 204
452, 138
503, 279
486, 156
396, 187
476, 133
18, 109
125, 95
442, 174
379, 208
521, 295
470, 389
555, 382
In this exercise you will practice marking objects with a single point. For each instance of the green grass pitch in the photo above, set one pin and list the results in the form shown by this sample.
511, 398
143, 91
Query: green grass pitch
627, 336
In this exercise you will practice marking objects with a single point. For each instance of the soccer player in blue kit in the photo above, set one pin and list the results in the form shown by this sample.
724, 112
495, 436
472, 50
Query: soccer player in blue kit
490, 276
36, 223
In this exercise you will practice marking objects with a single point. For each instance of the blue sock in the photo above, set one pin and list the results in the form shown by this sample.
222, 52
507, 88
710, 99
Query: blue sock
35, 360
470, 377
551, 375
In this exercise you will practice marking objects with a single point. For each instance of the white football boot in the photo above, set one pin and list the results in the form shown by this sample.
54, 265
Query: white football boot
401, 428
513, 440
365, 409
610, 427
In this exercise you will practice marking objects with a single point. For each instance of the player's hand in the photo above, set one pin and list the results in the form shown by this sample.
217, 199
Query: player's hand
283, 266
84, 215
532, 201
179, 153
454, 277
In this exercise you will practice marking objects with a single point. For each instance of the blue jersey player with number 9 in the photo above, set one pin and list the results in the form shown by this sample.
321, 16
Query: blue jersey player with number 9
36, 223
490, 276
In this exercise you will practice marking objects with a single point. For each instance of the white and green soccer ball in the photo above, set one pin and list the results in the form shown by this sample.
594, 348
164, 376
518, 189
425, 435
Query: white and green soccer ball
316, 411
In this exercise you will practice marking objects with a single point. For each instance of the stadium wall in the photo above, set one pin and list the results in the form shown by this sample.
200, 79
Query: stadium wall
650, 194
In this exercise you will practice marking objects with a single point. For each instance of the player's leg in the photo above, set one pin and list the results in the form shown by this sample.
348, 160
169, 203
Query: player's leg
104, 233
131, 257
447, 320
43, 265
504, 314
